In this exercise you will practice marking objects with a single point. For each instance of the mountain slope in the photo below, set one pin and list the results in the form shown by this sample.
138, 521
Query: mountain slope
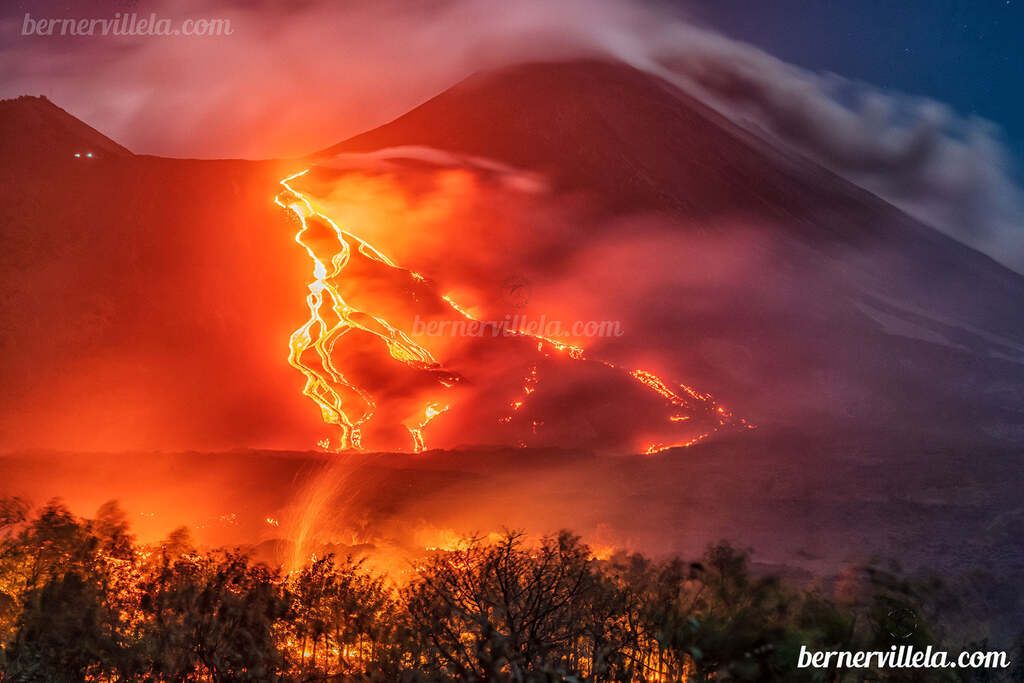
847, 299
129, 293
148, 305
36, 129
631, 139
633, 143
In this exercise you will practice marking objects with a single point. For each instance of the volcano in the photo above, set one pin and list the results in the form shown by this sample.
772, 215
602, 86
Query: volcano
150, 306
850, 313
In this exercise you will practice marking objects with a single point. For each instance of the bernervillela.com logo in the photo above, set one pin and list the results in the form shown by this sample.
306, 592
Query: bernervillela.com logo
125, 24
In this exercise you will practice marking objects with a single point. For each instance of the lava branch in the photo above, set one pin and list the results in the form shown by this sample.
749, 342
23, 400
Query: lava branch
430, 411
320, 336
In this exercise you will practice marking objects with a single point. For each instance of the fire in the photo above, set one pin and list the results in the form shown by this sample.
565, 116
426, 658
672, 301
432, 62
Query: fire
659, 447
529, 386
457, 308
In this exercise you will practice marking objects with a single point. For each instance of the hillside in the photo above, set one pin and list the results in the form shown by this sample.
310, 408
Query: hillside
840, 297
35, 129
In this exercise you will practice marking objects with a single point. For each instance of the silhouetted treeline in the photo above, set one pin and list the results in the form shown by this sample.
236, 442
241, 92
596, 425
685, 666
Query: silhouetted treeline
80, 600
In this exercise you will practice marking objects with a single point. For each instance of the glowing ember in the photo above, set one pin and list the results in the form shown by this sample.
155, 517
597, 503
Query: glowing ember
658, 385
658, 448
458, 309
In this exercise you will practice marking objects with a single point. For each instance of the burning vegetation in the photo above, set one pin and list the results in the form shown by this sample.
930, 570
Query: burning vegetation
81, 600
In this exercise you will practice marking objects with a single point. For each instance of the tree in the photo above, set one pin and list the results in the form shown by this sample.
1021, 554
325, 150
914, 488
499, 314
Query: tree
63, 634
216, 612
81, 600
63, 573
342, 620
488, 612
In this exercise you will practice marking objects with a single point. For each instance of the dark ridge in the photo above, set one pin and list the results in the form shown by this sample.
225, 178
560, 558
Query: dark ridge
35, 129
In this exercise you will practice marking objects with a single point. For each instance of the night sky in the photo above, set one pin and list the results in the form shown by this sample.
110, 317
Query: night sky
967, 53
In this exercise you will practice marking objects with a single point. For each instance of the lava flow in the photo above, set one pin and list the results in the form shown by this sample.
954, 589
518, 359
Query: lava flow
350, 407
326, 324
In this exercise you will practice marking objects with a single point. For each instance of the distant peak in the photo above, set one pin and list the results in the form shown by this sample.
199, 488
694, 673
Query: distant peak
631, 138
33, 129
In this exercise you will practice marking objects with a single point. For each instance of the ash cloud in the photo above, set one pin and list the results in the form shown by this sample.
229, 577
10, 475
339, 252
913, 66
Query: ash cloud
294, 78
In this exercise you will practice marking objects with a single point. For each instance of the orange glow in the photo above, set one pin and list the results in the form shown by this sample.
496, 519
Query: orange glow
350, 407
431, 411
658, 385
659, 447
458, 309
327, 384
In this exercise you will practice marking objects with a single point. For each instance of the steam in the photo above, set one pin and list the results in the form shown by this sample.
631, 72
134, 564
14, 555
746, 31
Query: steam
580, 267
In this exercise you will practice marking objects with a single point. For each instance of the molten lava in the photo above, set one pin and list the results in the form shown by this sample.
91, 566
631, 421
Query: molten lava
327, 385
431, 411
348, 406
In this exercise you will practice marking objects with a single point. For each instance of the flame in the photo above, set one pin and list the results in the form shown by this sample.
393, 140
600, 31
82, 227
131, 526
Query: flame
529, 386
659, 447
457, 308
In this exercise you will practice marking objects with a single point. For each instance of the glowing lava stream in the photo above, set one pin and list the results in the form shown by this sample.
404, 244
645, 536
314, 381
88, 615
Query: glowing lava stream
317, 333
648, 379
321, 335
431, 411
